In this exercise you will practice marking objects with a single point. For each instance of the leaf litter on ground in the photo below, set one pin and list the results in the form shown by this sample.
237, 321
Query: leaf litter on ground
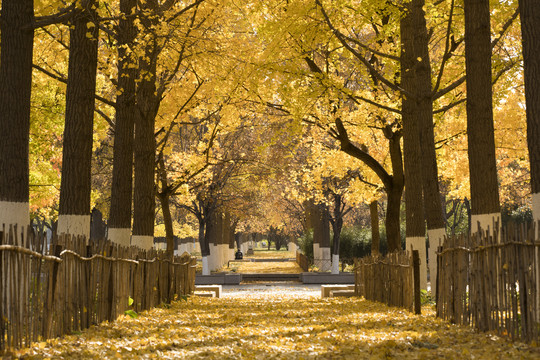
276, 325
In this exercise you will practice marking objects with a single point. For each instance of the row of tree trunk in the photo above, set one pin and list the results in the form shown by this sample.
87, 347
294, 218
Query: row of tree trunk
136, 108
424, 207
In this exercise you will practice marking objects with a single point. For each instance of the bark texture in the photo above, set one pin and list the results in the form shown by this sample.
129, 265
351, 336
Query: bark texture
424, 114
480, 131
145, 146
122, 181
375, 235
337, 223
16, 37
530, 33
414, 209
80, 102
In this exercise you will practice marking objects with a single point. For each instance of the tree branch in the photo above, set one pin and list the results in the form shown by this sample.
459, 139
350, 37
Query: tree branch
64, 80
349, 148
60, 17
505, 27
362, 59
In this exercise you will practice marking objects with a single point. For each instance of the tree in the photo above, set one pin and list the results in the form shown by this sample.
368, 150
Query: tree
530, 30
119, 224
74, 212
375, 235
485, 204
418, 143
17, 36
145, 146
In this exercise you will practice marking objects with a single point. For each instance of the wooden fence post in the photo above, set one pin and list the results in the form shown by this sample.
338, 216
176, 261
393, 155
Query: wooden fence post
51, 296
438, 281
416, 271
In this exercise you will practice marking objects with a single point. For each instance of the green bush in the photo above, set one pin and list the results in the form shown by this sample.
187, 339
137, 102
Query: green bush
305, 243
355, 242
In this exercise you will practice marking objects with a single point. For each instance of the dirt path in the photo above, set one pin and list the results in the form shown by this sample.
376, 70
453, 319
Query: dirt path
281, 322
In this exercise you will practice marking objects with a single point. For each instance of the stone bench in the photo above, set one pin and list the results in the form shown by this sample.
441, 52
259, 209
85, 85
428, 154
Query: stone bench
214, 289
326, 290
342, 293
204, 294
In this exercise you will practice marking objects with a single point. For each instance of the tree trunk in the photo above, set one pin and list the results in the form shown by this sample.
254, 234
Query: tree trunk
337, 225
167, 220
530, 34
122, 177
17, 39
415, 231
480, 130
424, 118
395, 191
74, 211
321, 237
164, 197
147, 107
203, 241
212, 238
375, 235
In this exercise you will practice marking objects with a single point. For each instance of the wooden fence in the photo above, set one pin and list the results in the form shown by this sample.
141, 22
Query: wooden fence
393, 279
51, 289
302, 261
490, 281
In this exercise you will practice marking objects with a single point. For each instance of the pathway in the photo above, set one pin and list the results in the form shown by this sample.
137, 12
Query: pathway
279, 321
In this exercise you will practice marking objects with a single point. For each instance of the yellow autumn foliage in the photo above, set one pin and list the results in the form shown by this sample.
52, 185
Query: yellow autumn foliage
269, 325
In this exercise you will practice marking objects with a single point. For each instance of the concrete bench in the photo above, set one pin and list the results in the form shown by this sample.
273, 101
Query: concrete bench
326, 289
204, 294
215, 289
342, 293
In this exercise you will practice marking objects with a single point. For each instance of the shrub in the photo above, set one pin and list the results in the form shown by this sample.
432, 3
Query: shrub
305, 243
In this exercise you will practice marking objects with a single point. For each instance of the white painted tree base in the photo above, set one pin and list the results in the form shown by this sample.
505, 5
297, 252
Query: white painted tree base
205, 266
316, 255
224, 253
419, 243
15, 213
213, 259
536, 206
436, 238
292, 246
145, 242
75, 225
486, 222
120, 236
335, 264
325, 259
183, 248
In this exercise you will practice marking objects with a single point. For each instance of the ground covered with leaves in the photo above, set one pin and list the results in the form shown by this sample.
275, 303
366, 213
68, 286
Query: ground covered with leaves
280, 325
271, 254
265, 267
